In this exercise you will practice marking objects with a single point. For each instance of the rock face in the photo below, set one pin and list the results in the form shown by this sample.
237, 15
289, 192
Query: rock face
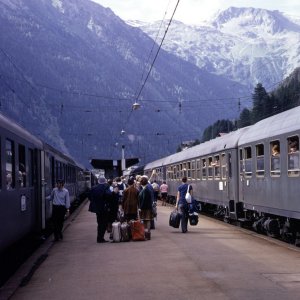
71, 70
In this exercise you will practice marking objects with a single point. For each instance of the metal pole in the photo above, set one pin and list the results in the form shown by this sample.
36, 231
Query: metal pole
123, 159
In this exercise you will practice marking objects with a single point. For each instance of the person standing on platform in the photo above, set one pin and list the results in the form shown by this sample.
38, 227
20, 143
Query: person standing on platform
60, 206
164, 193
100, 196
130, 201
145, 206
181, 203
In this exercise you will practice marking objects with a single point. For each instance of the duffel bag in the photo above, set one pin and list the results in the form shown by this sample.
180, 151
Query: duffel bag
174, 219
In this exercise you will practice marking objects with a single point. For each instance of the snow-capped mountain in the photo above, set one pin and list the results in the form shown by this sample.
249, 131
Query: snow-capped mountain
246, 45
70, 71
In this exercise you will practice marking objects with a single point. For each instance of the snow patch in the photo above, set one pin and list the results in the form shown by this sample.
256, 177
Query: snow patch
92, 26
58, 4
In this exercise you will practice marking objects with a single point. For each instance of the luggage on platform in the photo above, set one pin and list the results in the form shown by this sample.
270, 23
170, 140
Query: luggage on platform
193, 218
125, 232
137, 231
174, 219
116, 232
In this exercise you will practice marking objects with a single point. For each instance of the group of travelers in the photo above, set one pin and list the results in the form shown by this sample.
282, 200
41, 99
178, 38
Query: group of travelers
117, 200
113, 200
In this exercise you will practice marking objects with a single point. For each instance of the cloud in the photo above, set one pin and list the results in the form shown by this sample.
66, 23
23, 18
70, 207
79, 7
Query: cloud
189, 11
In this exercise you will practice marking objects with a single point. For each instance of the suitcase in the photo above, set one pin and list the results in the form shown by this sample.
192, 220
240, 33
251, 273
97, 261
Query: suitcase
193, 218
137, 231
125, 232
116, 232
174, 219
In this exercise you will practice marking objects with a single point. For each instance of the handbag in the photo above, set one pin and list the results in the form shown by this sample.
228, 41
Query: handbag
193, 218
188, 196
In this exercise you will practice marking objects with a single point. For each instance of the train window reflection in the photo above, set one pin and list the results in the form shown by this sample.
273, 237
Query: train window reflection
275, 158
10, 164
260, 161
293, 156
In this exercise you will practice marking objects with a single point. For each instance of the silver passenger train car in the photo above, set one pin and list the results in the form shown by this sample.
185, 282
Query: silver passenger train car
29, 169
251, 175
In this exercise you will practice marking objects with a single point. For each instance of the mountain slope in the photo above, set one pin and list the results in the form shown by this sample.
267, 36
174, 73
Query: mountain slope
70, 70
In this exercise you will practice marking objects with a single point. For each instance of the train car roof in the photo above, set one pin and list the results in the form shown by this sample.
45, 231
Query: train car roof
18, 130
58, 153
287, 121
218, 144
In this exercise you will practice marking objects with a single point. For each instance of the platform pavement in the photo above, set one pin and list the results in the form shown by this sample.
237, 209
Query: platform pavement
212, 261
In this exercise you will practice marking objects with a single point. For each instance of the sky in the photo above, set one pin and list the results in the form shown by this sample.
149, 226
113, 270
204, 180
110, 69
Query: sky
190, 11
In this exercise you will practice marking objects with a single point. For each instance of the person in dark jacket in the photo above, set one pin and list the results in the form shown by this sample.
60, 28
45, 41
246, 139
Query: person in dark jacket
145, 206
113, 208
100, 197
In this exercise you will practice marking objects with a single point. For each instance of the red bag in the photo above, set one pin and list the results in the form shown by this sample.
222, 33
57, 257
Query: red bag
137, 231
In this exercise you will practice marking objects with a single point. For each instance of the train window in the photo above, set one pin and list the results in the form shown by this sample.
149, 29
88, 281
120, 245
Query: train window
248, 161
241, 162
260, 160
0, 165
198, 169
10, 164
193, 169
293, 156
223, 165
216, 166
22, 166
178, 172
189, 170
169, 173
204, 168
229, 165
30, 168
210, 168
184, 170
275, 158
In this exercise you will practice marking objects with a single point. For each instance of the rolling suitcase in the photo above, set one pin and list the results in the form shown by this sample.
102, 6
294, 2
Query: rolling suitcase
125, 232
116, 232
174, 219
137, 231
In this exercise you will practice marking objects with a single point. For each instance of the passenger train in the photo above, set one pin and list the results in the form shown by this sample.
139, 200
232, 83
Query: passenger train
241, 177
29, 169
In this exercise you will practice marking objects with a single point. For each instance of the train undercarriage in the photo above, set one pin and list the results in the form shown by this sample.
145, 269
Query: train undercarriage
279, 227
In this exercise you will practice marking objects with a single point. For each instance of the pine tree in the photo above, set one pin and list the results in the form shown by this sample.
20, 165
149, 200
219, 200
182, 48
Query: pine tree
245, 118
259, 98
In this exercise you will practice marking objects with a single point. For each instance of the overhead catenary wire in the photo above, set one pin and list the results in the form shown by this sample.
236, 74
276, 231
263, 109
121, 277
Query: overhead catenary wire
157, 52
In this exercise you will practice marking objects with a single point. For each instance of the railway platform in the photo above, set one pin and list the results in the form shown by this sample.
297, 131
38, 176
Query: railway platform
212, 261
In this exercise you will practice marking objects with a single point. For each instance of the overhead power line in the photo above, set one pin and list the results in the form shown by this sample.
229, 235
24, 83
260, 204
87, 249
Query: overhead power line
156, 55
